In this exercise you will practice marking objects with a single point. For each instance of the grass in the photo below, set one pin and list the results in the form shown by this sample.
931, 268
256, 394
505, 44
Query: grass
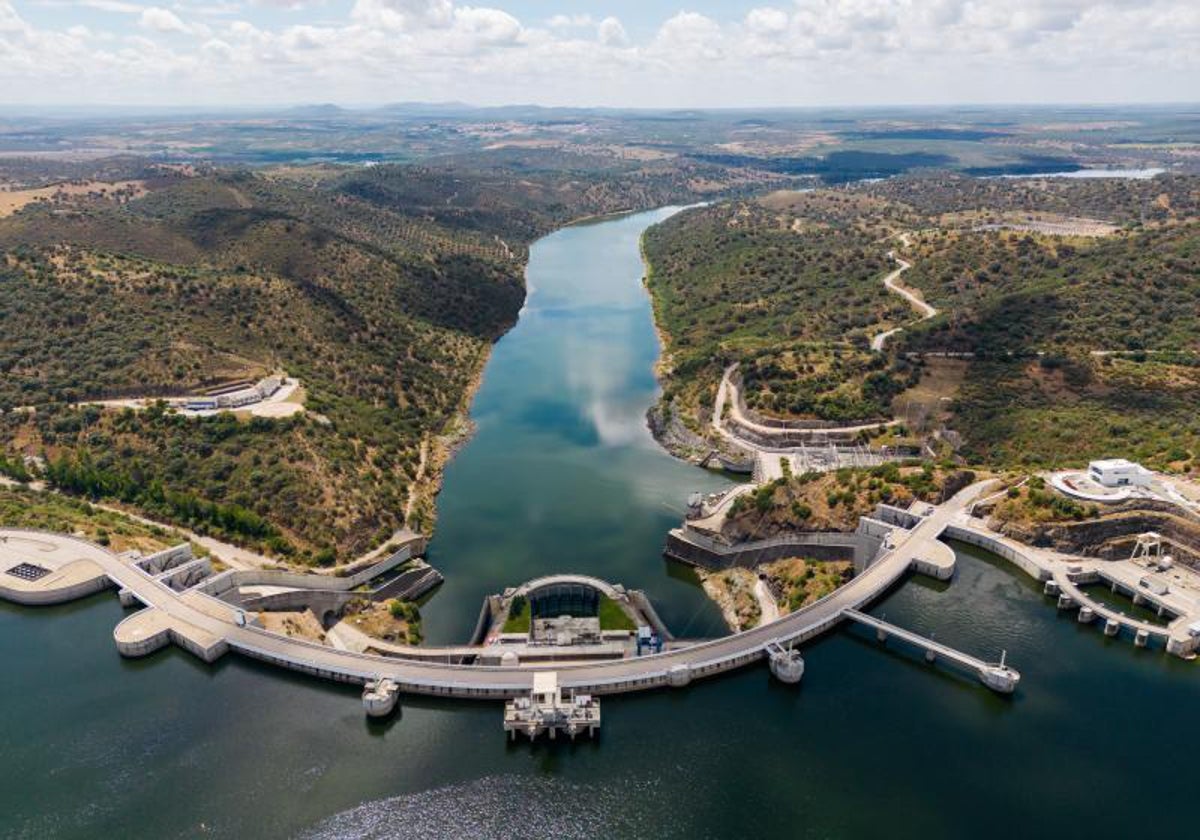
23, 508
612, 617
518, 620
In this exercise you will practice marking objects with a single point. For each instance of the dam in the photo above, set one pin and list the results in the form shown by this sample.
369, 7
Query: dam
209, 627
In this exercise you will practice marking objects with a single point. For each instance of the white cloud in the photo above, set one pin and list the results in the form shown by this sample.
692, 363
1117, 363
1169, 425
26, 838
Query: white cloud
767, 21
157, 19
781, 53
689, 36
10, 21
113, 6
611, 33
487, 26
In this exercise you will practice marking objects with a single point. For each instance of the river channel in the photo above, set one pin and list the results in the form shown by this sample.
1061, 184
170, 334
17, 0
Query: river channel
563, 475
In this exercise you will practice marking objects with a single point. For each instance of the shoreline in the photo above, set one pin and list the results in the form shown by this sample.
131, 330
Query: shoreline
666, 428
439, 449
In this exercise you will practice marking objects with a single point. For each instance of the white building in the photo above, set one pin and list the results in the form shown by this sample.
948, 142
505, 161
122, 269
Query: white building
1117, 472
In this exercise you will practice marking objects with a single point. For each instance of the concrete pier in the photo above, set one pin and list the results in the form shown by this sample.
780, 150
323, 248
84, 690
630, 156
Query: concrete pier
996, 676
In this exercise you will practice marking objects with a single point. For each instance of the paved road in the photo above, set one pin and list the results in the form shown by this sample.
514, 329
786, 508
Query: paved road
727, 392
766, 602
194, 615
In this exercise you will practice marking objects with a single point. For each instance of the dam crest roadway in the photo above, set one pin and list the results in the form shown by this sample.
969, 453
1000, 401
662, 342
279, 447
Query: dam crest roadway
209, 627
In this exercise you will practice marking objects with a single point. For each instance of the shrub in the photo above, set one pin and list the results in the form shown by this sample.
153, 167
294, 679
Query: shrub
325, 557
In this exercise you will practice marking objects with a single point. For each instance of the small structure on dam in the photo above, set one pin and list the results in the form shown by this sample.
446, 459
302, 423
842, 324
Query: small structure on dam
380, 696
567, 618
546, 711
786, 663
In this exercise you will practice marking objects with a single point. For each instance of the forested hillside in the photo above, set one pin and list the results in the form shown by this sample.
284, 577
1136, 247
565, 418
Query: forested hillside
1078, 301
787, 286
380, 289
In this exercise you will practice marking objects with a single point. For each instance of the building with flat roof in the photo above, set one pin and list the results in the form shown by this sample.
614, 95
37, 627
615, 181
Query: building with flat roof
1117, 472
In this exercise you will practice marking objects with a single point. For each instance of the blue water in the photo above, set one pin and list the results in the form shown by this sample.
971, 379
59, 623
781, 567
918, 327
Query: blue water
562, 475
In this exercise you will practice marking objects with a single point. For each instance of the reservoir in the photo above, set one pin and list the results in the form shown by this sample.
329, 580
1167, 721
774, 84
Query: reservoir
562, 475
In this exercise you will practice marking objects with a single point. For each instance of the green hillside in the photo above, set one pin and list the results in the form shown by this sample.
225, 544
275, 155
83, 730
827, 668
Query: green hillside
1083, 345
381, 289
787, 286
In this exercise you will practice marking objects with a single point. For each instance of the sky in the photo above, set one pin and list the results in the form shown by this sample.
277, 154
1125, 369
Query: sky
624, 53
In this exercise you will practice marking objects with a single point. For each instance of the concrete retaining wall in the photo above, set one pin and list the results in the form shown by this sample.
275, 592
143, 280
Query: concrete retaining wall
898, 517
168, 558
236, 578
488, 614
410, 585
56, 596
696, 550
320, 601
135, 648
188, 574
995, 546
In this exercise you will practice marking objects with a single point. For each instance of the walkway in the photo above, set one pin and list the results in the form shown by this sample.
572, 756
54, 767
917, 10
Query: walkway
209, 627
886, 629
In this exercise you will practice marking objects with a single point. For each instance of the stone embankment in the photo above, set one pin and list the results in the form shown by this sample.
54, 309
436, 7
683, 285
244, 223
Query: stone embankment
1111, 536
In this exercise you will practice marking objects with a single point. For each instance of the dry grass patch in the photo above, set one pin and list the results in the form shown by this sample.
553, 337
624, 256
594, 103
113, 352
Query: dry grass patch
797, 582
733, 591
13, 200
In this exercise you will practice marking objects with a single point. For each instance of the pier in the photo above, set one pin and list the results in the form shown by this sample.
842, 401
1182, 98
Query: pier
995, 675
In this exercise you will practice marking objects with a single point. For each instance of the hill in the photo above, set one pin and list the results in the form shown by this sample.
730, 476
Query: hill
1075, 303
380, 289
789, 287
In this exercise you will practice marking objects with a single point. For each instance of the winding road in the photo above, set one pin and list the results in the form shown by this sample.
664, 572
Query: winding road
916, 302
727, 390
